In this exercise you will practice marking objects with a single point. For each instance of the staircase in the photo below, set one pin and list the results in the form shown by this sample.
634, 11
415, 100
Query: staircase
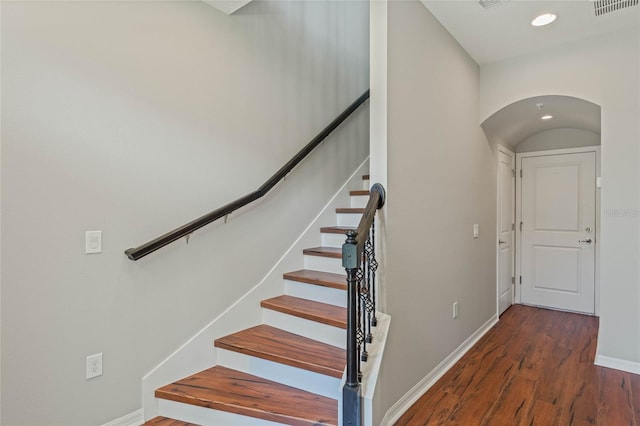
287, 370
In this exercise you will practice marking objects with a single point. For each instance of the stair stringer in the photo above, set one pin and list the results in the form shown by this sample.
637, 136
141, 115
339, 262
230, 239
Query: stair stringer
198, 353
371, 371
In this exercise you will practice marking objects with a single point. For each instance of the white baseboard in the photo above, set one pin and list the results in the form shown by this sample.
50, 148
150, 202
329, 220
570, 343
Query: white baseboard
132, 419
410, 398
618, 364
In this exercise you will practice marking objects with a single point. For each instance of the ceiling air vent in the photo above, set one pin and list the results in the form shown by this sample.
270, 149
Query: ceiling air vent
601, 7
486, 4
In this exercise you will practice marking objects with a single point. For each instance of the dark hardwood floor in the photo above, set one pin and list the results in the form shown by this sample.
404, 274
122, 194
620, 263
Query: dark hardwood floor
535, 367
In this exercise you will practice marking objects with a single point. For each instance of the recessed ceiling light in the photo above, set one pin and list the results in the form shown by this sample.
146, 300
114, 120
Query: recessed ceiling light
543, 20
547, 117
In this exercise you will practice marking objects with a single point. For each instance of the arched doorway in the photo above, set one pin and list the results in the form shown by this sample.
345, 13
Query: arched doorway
548, 150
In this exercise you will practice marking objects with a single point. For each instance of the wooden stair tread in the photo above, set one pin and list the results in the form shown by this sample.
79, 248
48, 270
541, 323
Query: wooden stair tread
350, 210
325, 279
232, 391
165, 421
359, 192
333, 252
308, 309
280, 346
337, 229
365, 177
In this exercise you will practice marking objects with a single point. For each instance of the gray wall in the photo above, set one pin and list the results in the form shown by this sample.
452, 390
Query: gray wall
133, 118
558, 139
441, 180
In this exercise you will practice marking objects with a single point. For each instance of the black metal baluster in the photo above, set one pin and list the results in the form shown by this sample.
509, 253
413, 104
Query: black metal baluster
362, 346
373, 266
367, 287
362, 293
367, 300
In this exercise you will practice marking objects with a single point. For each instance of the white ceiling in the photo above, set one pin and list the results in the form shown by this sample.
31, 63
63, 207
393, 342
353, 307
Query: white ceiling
520, 120
504, 31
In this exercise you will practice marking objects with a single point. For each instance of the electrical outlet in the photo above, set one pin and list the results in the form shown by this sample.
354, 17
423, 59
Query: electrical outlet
455, 310
94, 365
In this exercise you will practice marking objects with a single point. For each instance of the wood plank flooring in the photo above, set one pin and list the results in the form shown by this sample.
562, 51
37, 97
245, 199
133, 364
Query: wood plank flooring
534, 368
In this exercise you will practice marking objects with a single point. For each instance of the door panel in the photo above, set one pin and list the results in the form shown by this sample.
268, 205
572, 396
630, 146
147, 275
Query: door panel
557, 198
558, 215
556, 268
506, 187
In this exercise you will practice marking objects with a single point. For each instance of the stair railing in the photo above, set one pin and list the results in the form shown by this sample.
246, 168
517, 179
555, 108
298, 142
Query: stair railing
359, 260
186, 230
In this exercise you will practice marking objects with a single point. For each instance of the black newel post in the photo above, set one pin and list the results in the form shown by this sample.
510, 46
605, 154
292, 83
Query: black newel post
351, 405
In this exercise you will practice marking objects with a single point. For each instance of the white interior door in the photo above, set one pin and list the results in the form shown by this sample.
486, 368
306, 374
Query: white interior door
558, 231
506, 216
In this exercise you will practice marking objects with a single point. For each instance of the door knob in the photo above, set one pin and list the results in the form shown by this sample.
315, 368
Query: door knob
588, 240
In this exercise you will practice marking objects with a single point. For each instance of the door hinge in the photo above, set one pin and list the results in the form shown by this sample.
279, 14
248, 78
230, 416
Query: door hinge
513, 172
520, 279
513, 226
520, 173
513, 280
521, 226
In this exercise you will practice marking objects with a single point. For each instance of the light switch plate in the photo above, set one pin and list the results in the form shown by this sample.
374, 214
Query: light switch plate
94, 365
476, 231
93, 242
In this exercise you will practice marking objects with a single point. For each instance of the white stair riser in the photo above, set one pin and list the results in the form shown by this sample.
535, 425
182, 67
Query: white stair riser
325, 264
348, 219
313, 330
298, 378
206, 416
359, 201
365, 185
331, 296
333, 240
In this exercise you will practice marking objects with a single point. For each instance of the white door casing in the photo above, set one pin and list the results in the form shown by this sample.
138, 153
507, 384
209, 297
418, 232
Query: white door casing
558, 236
506, 218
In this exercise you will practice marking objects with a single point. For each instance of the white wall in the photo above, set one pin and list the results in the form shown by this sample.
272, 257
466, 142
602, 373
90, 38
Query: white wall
605, 71
558, 139
133, 118
379, 100
441, 180
378, 166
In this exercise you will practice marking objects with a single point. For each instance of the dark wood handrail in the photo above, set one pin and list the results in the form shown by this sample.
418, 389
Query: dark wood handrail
376, 201
157, 243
